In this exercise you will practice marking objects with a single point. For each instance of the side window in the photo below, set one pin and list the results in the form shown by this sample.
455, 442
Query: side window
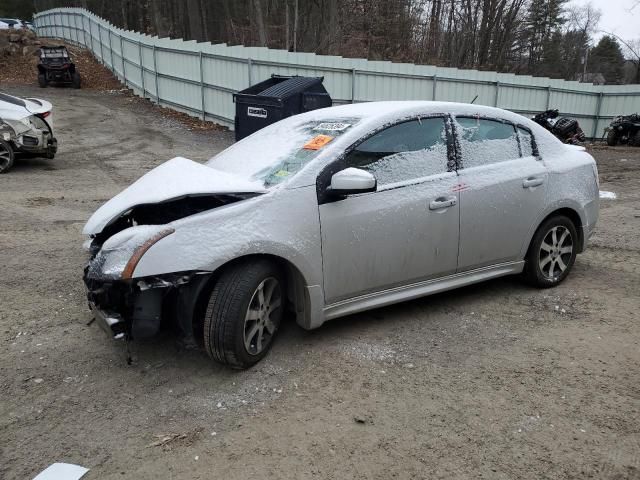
406, 151
483, 142
526, 142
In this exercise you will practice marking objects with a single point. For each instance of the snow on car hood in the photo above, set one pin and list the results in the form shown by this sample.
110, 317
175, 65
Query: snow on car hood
176, 178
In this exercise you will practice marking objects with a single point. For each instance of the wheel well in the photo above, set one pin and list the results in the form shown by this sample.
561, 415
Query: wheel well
298, 300
575, 219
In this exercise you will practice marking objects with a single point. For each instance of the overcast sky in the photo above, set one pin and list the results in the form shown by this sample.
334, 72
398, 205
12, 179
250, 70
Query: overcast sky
617, 17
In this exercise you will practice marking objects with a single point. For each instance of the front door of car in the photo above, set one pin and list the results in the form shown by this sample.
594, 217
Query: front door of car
404, 232
502, 191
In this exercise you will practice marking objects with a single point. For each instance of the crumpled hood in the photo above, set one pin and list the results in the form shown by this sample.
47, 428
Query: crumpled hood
176, 178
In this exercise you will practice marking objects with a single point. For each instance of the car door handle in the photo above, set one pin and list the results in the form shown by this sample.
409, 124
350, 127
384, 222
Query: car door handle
532, 182
442, 202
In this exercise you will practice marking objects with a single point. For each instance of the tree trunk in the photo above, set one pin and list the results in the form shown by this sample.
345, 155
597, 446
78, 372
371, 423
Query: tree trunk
262, 31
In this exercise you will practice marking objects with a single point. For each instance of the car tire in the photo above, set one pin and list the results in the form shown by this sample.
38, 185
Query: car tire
6, 156
552, 252
612, 138
244, 312
42, 80
635, 139
77, 80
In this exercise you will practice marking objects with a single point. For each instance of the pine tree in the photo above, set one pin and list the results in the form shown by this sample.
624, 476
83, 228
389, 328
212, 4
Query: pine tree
607, 58
544, 17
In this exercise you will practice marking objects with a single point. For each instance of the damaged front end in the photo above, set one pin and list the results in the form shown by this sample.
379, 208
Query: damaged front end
137, 308
131, 307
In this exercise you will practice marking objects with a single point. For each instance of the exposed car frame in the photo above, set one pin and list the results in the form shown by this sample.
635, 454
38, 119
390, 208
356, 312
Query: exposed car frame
173, 253
25, 129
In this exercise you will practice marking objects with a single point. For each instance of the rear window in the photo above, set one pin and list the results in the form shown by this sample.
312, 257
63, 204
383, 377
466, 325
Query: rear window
485, 141
11, 99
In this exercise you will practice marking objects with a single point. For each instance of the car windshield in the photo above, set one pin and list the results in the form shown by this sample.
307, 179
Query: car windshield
279, 151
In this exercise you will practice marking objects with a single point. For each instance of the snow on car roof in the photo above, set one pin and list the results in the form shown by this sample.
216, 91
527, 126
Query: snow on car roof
379, 113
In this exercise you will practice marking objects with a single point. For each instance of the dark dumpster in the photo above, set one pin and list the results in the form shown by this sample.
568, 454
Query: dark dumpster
276, 98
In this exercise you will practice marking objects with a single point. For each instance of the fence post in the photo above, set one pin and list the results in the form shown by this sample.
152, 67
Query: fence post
113, 64
497, 96
100, 38
155, 74
141, 68
598, 107
353, 85
435, 86
548, 97
201, 86
124, 70
249, 71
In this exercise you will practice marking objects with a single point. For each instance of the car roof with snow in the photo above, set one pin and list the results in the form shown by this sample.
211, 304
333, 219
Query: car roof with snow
372, 115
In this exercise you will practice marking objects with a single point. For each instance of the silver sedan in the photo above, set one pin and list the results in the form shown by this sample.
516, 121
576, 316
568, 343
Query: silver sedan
333, 212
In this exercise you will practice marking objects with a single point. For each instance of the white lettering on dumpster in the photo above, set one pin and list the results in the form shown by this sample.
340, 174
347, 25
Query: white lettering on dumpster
256, 112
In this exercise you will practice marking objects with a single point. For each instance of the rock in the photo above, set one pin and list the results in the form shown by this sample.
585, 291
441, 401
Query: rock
14, 38
29, 50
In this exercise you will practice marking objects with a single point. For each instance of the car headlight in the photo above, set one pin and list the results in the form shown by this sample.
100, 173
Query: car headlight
120, 254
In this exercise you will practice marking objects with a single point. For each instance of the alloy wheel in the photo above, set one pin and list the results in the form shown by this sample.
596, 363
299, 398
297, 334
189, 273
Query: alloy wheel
555, 253
5, 157
259, 324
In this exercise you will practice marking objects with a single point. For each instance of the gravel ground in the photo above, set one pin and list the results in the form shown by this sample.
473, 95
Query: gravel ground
496, 380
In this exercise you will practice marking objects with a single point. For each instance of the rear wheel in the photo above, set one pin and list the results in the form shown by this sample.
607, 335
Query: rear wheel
76, 80
42, 80
552, 252
244, 313
635, 139
6, 156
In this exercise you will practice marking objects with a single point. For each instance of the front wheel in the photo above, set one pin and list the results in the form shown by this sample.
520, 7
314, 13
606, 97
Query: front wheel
612, 138
6, 156
635, 139
244, 313
552, 252
42, 80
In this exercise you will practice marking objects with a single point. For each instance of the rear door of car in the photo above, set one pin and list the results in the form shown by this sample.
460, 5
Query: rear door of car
502, 190
404, 232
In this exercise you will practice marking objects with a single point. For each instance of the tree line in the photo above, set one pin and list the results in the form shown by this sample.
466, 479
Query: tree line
536, 37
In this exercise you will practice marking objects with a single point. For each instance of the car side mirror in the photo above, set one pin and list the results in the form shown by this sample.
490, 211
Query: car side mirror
351, 181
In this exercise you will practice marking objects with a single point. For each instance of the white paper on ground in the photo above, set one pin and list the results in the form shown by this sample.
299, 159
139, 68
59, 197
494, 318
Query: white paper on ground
62, 471
608, 195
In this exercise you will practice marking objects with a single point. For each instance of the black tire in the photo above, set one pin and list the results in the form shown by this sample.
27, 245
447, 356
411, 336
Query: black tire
635, 139
225, 320
6, 156
42, 80
77, 81
538, 255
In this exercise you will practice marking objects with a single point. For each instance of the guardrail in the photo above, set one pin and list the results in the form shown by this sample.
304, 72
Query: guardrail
200, 78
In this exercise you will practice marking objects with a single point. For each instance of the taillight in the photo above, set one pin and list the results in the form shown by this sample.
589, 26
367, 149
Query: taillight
44, 115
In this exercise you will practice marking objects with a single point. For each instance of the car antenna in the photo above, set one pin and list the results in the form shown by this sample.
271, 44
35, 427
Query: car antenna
474, 99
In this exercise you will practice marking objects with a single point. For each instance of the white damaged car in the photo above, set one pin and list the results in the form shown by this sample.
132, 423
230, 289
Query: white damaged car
26, 128
333, 212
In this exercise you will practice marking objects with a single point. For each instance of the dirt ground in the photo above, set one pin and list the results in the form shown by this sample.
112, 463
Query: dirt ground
496, 381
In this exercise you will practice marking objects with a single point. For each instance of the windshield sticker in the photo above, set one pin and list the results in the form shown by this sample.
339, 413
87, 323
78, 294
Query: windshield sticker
333, 127
317, 142
282, 173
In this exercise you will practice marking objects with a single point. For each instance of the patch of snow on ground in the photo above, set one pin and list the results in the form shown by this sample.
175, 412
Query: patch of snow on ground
608, 195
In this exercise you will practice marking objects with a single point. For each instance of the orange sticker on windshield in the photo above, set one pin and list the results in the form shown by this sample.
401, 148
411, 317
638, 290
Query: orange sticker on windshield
316, 143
